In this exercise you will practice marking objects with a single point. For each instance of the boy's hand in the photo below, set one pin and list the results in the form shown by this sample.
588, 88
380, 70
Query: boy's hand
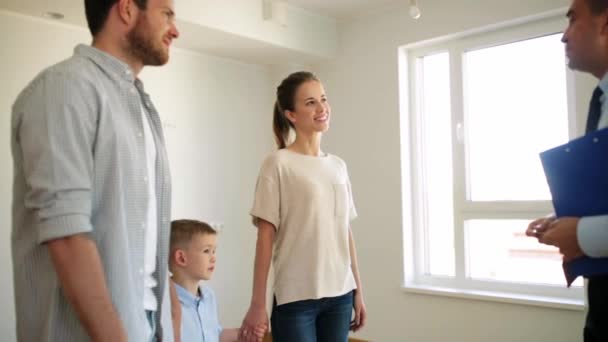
260, 331
258, 334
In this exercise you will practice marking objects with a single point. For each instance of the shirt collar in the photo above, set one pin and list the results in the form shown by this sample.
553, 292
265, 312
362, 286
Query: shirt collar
116, 68
187, 298
604, 84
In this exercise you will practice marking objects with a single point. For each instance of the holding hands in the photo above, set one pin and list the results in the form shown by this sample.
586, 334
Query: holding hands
255, 324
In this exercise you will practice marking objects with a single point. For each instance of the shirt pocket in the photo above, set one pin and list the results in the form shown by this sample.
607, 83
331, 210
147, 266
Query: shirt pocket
340, 200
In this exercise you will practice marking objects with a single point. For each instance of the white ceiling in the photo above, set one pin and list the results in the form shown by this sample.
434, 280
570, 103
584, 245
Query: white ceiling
229, 43
341, 9
71, 9
215, 41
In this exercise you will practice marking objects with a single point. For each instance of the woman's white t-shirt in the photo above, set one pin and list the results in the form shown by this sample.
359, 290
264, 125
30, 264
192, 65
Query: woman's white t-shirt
309, 201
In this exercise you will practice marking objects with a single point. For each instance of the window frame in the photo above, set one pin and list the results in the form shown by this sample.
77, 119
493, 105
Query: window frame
415, 247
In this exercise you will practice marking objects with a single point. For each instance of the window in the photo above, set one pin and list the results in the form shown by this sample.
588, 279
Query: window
477, 111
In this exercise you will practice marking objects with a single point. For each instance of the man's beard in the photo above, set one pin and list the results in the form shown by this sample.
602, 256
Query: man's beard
142, 47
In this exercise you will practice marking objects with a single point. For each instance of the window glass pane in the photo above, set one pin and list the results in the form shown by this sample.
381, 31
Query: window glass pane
437, 163
499, 250
515, 107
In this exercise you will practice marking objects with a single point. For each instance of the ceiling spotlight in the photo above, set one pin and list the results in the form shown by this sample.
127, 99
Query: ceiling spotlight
54, 15
414, 10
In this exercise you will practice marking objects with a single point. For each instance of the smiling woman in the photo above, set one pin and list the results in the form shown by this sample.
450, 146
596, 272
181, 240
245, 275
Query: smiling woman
303, 207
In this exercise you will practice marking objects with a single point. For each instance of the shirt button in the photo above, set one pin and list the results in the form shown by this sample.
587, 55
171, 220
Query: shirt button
140, 134
141, 271
145, 179
133, 90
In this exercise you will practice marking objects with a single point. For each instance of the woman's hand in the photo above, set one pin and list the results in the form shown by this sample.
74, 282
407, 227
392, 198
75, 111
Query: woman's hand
360, 312
254, 324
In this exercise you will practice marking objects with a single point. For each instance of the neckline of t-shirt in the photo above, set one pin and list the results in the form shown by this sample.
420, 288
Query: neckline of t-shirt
324, 156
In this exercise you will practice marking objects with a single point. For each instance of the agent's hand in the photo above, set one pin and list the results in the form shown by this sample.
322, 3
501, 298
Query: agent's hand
360, 312
561, 233
254, 324
539, 226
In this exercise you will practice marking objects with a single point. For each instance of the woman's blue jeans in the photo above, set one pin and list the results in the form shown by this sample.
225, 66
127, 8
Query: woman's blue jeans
313, 320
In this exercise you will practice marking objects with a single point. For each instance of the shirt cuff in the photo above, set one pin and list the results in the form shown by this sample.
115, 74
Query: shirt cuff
592, 235
63, 226
257, 214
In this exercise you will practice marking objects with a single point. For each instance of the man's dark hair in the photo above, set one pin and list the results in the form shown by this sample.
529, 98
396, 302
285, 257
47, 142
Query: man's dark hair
97, 12
597, 6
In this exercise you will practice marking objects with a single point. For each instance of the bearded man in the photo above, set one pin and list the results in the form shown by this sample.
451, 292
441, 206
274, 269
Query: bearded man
91, 194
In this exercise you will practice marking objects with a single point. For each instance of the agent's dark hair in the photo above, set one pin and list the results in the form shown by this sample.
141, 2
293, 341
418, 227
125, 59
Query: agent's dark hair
597, 7
97, 12
286, 94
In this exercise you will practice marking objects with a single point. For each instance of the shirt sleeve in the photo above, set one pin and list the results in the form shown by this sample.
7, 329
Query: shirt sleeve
266, 202
55, 136
592, 234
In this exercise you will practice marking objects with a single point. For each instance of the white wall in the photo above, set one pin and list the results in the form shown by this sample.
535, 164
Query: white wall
217, 114
362, 84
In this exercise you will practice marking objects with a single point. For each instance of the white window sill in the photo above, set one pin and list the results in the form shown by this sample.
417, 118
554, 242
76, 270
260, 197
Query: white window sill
500, 297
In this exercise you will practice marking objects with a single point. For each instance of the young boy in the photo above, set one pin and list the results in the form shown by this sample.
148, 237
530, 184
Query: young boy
192, 259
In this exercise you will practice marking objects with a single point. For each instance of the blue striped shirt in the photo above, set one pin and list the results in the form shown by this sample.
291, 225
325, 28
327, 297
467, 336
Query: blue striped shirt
80, 168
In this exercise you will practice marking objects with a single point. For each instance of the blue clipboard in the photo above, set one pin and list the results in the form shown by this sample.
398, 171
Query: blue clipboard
577, 174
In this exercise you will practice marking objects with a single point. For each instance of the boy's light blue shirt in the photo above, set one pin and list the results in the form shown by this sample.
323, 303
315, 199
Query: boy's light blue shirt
199, 315
592, 232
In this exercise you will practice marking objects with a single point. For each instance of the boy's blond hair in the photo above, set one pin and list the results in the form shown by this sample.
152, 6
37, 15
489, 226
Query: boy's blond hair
182, 232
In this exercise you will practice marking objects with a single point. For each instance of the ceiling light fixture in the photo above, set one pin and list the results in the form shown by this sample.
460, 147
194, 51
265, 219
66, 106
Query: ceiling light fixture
414, 10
